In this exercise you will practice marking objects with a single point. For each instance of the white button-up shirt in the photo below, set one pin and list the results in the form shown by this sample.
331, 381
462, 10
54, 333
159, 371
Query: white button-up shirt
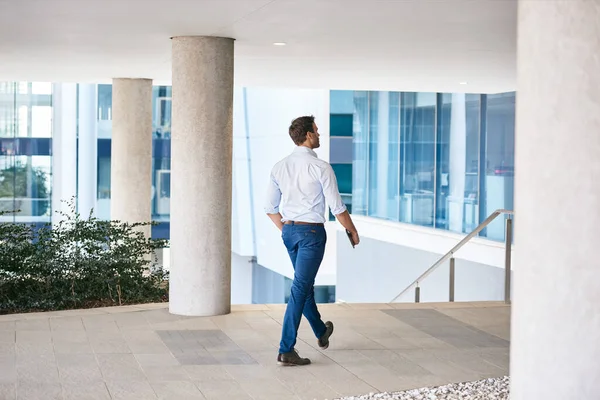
299, 187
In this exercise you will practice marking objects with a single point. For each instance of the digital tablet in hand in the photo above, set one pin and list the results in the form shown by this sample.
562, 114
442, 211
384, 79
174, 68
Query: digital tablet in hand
349, 234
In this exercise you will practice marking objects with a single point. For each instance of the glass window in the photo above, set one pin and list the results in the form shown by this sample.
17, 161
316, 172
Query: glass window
161, 116
105, 102
7, 110
457, 192
41, 121
23, 121
104, 177
360, 138
41, 88
384, 200
417, 155
498, 185
7, 187
27, 181
161, 188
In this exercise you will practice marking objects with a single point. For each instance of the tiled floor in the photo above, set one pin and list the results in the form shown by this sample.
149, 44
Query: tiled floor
143, 352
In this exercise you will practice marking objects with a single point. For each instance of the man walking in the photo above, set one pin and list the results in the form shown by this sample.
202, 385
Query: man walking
299, 187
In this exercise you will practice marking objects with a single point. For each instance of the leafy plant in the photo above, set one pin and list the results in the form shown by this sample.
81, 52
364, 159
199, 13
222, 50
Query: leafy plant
78, 262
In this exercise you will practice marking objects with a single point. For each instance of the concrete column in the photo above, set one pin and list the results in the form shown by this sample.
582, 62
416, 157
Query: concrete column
131, 151
87, 160
64, 148
201, 176
556, 320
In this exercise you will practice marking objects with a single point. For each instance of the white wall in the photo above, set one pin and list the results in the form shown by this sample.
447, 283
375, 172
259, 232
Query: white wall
266, 118
392, 255
241, 279
242, 234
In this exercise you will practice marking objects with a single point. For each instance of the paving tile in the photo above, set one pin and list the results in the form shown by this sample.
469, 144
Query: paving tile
32, 390
8, 391
265, 388
207, 373
8, 336
471, 362
395, 363
33, 325
41, 368
437, 366
66, 323
447, 329
8, 325
42, 336
130, 390
131, 320
222, 389
108, 342
204, 347
144, 342
7, 349
85, 391
34, 342
248, 372
177, 390
156, 360
160, 315
166, 373
102, 322
120, 367
8, 369
306, 387
248, 307
232, 358
143, 352
82, 368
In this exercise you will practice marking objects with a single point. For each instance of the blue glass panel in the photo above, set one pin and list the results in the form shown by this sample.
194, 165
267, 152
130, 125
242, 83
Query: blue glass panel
417, 154
499, 159
161, 231
457, 192
340, 125
343, 173
360, 137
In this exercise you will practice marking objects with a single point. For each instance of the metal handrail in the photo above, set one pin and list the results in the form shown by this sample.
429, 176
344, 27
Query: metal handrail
465, 240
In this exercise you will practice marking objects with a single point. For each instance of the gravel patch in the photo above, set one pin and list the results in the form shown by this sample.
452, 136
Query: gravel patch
487, 389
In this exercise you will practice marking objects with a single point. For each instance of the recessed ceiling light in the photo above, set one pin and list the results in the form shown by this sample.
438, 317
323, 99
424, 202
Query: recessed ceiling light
279, 44
462, 83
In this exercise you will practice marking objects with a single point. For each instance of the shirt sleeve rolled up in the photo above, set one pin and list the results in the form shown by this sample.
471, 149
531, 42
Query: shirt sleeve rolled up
331, 191
273, 198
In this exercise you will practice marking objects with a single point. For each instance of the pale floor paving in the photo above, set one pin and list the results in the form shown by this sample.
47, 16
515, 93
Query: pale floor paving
143, 352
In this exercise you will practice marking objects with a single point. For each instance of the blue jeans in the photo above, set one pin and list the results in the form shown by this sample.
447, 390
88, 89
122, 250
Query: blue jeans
306, 246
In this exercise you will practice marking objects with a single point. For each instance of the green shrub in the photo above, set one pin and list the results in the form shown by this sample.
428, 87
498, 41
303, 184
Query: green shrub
77, 263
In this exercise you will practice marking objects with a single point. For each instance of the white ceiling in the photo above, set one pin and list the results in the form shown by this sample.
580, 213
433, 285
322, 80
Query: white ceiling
410, 45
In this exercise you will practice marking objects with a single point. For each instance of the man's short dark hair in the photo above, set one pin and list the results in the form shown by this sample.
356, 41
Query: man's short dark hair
299, 127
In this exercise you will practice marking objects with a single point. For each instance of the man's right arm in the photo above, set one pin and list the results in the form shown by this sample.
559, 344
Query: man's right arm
338, 208
347, 223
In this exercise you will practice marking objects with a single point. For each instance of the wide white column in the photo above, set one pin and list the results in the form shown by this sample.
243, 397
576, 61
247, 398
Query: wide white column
87, 151
556, 315
201, 176
64, 148
131, 151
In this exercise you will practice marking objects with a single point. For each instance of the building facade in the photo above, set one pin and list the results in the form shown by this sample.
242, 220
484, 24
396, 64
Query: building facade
436, 162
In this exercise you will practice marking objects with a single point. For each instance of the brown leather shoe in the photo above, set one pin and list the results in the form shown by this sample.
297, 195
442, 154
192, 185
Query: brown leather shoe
324, 340
291, 359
